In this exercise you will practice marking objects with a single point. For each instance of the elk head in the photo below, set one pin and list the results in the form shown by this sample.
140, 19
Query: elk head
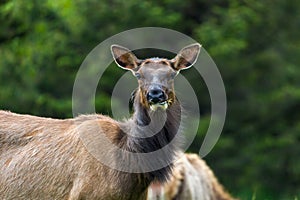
156, 75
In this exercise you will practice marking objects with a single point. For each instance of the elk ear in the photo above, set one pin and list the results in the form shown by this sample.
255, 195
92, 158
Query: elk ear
124, 57
186, 57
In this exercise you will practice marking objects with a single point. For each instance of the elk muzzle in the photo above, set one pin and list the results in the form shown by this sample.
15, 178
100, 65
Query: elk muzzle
157, 98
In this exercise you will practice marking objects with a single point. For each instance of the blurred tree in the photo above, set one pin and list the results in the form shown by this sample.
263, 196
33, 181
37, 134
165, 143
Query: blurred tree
254, 43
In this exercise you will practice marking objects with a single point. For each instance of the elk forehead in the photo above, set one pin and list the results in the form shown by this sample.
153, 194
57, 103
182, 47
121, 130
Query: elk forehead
157, 61
156, 70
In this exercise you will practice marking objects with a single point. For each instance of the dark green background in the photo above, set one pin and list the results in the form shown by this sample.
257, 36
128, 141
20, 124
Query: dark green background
254, 43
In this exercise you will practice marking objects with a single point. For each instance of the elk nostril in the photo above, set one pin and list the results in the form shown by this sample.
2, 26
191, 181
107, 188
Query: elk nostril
155, 92
156, 96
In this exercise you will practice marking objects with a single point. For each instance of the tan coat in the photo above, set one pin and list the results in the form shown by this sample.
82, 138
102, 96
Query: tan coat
192, 179
43, 158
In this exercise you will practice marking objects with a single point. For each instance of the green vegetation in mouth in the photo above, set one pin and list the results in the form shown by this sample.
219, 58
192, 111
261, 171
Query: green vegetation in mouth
162, 105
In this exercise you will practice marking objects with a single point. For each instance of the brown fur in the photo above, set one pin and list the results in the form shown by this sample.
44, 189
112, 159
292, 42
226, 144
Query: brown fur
191, 179
43, 158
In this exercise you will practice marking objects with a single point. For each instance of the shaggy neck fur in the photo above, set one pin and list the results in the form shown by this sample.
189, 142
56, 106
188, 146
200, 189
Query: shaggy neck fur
151, 131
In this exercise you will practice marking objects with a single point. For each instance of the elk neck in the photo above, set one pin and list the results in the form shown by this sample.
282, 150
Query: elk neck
149, 131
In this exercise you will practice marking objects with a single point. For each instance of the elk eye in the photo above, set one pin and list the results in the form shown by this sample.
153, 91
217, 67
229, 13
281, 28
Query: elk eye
137, 75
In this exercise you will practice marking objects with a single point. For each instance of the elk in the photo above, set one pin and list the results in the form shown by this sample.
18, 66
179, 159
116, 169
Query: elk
191, 179
44, 158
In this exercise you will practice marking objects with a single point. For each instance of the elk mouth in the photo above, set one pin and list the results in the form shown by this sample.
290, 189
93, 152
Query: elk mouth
160, 105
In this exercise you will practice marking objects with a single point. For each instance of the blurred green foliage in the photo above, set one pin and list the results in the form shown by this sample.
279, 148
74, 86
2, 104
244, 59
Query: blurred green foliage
255, 44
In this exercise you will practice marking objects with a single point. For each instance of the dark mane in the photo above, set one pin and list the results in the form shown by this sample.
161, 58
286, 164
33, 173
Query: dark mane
158, 140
